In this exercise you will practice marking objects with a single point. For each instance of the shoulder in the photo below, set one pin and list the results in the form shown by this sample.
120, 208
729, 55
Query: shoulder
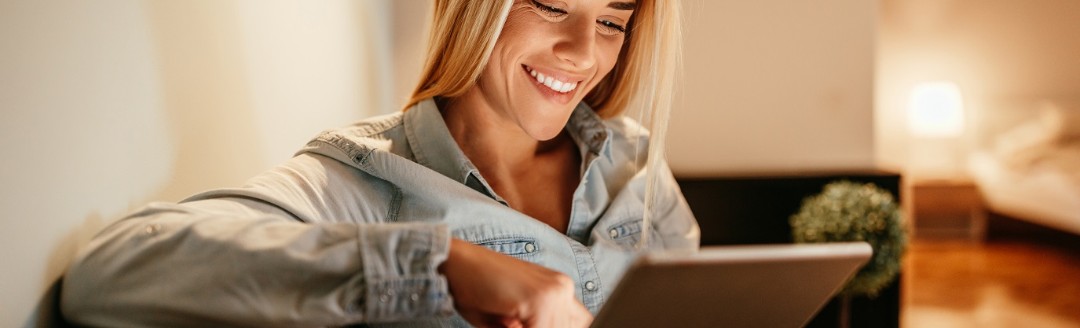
374, 131
382, 133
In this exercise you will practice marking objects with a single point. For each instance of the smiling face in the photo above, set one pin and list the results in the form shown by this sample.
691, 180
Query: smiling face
550, 54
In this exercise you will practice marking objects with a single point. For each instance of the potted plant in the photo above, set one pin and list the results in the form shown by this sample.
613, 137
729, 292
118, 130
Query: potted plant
848, 211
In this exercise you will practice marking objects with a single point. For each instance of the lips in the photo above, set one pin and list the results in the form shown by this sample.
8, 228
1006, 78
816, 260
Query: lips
551, 82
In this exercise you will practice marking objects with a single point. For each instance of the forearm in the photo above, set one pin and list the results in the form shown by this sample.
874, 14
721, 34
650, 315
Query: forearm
170, 265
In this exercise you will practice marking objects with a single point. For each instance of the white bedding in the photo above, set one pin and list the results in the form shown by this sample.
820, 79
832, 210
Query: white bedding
1043, 195
1032, 171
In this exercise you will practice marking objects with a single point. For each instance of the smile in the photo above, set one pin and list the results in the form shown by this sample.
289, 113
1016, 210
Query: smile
551, 82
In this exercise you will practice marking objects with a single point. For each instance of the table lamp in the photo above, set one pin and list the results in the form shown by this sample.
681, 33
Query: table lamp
936, 124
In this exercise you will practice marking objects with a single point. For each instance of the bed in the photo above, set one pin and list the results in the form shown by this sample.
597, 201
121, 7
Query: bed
1026, 162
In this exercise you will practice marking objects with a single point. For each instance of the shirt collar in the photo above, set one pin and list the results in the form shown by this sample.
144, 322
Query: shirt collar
588, 130
432, 144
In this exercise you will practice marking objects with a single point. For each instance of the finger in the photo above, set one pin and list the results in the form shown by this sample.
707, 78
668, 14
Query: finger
580, 316
541, 316
503, 322
477, 319
511, 323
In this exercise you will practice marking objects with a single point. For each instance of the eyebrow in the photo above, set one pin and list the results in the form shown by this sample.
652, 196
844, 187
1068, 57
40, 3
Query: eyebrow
622, 5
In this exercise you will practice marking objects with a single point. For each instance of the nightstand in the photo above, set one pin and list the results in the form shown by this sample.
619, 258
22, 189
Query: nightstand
947, 209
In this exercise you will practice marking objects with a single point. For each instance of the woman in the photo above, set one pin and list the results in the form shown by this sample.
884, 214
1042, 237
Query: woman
510, 192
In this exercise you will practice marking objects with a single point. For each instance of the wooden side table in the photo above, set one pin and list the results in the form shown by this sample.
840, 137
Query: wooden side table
947, 209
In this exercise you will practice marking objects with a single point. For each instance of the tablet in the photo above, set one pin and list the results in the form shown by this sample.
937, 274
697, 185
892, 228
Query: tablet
732, 286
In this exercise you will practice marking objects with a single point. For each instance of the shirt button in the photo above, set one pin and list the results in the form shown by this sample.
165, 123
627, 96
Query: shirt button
590, 286
414, 297
529, 248
614, 233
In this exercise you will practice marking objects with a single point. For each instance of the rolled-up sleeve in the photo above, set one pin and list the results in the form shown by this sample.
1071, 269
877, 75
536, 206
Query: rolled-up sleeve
251, 257
400, 269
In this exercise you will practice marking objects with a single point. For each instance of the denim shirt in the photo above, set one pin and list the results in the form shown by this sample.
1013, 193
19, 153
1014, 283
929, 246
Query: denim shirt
352, 229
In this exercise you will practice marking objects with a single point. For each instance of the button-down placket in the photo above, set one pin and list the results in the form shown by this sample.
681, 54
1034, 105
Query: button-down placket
588, 278
592, 137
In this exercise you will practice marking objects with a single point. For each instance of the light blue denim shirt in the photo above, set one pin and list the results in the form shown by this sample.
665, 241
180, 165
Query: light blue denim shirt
352, 229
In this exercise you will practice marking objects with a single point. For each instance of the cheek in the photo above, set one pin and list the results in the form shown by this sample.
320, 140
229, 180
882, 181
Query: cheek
607, 57
511, 45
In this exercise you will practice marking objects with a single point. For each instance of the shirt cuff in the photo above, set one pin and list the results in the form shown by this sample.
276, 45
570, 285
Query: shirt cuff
401, 276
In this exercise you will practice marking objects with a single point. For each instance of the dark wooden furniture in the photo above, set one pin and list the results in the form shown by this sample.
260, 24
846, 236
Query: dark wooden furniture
755, 208
947, 209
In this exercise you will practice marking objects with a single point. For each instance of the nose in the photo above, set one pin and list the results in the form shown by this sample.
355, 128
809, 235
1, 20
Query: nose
577, 43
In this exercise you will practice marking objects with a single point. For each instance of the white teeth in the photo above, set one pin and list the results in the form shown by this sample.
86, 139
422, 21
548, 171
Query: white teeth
569, 86
552, 83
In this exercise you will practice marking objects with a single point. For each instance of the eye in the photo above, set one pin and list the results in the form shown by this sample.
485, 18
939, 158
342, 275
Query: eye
548, 10
609, 27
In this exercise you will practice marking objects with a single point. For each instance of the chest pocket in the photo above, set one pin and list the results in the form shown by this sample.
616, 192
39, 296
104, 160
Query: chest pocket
628, 233
519, 247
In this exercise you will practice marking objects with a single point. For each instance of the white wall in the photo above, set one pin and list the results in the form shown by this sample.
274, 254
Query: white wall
1004, 55
776, 85
109, 104
411, 24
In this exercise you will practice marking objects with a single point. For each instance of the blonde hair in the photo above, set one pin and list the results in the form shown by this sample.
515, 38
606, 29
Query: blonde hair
459, 48
643, 77
642, 81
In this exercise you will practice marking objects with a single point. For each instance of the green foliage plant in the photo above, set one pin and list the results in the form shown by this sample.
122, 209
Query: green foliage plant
847, 211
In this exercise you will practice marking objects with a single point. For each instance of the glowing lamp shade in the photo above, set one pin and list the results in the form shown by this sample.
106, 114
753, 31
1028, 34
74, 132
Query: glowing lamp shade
936, 110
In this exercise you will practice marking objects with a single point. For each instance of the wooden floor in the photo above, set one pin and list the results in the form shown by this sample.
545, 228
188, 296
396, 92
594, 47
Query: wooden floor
1001, 282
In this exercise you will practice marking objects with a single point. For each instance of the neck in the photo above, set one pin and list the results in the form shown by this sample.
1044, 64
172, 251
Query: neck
490, 138
537, 178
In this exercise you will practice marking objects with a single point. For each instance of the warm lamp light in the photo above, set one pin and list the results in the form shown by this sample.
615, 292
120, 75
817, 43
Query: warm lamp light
936, 110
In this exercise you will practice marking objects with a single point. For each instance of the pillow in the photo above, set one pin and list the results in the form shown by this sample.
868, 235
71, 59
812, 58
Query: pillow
1061, 119
1057, 124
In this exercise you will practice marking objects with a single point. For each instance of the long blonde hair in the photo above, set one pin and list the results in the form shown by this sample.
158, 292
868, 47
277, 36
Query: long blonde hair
643, 77
643, 81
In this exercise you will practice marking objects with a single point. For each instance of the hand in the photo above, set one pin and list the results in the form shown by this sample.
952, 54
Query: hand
494, 290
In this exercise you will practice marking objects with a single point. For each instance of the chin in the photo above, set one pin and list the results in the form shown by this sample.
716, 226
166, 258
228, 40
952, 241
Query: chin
544, 130
548, 125
545, 133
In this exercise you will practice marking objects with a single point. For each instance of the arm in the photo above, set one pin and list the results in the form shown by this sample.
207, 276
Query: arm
492, 289
244, 258
240, 258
